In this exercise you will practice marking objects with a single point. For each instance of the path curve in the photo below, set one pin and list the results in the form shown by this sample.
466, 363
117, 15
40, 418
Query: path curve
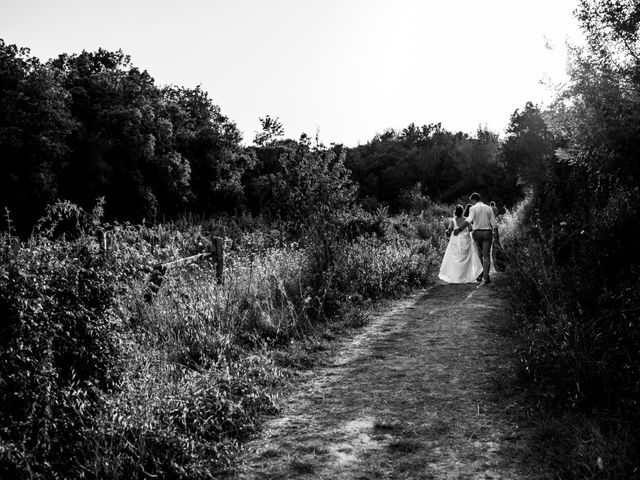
422, 392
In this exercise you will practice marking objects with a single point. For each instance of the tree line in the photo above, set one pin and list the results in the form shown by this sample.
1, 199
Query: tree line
445, 166
92, 125
89, 125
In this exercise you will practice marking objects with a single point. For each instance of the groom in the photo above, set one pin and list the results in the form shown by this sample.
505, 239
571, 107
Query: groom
484, 221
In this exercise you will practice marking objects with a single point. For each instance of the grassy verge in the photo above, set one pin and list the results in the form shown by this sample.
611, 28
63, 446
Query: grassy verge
578, 350
99, 383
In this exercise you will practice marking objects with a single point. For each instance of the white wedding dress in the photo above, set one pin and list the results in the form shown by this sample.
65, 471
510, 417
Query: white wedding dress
461, 262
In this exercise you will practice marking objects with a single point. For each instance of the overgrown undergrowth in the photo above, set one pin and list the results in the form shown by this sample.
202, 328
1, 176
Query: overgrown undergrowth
98, 383
577, 310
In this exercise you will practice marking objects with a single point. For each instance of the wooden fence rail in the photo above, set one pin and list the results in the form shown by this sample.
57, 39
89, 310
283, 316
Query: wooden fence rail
216, 255
157, 274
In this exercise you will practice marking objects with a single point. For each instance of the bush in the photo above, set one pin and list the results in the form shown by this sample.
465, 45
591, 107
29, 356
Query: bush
59, 332
576, 299
374, 268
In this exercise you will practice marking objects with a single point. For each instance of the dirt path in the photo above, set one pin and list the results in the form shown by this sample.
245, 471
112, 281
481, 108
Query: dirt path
421, 393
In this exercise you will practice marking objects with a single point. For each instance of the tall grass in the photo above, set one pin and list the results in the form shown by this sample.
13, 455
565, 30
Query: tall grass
578, 343
124, 388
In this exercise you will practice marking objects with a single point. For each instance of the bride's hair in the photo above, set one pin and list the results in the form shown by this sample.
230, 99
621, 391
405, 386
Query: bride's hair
458, 211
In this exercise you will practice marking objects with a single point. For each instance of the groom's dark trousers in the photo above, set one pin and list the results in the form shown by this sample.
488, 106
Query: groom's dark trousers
483, 239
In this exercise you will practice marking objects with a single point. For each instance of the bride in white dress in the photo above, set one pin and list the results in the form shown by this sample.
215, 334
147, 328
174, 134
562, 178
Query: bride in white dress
461, 262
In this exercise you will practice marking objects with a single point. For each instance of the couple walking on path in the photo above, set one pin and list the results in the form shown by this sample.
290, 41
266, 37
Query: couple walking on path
468, 255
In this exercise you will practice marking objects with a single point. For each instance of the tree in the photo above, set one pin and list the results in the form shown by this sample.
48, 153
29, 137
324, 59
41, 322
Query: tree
599, 112
211, 144
612, 31
272, 129
113, 152
313, 182
35, 122
93, 125
529, 145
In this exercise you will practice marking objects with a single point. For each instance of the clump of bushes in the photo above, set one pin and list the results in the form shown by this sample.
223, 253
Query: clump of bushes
59, 344
576, 302
374, 268
87, 389
577, 313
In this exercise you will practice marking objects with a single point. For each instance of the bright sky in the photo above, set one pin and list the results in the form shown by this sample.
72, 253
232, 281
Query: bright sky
350, 68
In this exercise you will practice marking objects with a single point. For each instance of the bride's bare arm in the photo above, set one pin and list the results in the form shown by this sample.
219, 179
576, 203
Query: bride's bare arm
450, 227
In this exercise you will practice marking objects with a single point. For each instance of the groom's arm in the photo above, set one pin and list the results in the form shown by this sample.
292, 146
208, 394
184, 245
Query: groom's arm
461, 227
466, 223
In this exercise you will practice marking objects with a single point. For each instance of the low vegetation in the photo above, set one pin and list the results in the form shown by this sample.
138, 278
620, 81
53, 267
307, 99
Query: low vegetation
573, 248
99, 383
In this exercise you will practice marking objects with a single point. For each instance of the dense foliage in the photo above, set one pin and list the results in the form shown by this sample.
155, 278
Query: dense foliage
444, 166
95, 382
91, 125
576, 261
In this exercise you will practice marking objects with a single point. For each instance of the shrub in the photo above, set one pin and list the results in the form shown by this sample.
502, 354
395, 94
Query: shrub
400, 255
58, 331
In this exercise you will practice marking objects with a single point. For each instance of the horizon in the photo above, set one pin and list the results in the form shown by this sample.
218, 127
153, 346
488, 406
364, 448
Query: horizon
343, 70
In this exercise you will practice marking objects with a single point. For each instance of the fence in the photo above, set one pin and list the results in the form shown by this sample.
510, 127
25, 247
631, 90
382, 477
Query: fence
215, 255
156, 276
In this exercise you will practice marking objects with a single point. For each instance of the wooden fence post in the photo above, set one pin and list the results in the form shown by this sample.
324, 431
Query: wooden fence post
155, 281
157, 274
15, 245
102, 240
217, 256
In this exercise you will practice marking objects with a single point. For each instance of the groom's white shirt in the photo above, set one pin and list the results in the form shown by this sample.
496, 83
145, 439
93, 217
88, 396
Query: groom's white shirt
482, 217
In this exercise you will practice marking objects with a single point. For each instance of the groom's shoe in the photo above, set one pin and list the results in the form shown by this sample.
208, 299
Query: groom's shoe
479, 279
487, 281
